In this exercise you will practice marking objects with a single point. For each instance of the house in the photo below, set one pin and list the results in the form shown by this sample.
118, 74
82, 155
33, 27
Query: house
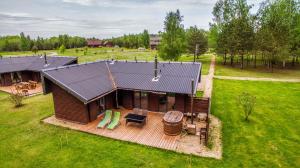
94, 43
82, 92
108, 44
23, 69
154, 41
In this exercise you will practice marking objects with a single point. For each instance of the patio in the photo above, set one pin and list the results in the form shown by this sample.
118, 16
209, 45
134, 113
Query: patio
151, 134
12, 89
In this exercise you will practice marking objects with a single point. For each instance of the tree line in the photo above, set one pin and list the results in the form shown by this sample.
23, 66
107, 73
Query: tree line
25, 43
269, 37
132, 40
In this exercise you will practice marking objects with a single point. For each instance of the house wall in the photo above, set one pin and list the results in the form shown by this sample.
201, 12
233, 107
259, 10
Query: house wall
153, 102
93, 110
6, 79
180, 102
127, 99
67, 106
26, 76
110, 100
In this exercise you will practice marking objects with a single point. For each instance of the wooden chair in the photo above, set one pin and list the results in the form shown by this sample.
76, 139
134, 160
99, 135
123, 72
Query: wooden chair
203, 133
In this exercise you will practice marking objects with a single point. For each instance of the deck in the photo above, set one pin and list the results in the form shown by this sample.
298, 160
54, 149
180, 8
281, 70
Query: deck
12, 89
151, 134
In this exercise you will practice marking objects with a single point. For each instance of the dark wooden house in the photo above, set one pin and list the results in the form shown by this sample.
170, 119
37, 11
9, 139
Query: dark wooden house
94, 43
81, 92
23, 69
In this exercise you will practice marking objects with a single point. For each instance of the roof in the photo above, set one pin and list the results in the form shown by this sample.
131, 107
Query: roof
91, 42
32, 63
91, 80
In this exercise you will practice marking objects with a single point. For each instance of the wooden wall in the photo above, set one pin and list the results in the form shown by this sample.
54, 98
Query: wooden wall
68, 107
6, 79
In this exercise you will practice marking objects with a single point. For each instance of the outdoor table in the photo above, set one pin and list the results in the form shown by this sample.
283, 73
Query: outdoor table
136, 118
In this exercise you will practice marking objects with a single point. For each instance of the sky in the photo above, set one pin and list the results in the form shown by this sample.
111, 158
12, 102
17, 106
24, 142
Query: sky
99, 18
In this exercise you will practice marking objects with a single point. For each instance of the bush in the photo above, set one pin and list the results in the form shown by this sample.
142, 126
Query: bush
16, 99
247, 101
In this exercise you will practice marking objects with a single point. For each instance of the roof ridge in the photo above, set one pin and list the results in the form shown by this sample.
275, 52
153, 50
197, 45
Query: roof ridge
111, 76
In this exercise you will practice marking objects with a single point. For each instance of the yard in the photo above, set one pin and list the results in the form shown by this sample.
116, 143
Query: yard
270, 139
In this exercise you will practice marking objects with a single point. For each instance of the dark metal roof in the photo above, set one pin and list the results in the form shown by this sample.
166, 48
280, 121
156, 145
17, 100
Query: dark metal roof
32, 63
87, 81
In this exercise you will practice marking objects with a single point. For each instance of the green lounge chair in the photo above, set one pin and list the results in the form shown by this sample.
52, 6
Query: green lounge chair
115, 121
106, 119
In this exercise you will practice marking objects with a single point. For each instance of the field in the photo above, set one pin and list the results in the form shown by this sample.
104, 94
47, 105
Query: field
94, 54
260, 71
270, 139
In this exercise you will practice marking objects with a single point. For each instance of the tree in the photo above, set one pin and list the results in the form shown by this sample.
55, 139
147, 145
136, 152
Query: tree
247, 101
146, 39
173, 38
24, 42
35, 49
62, 49
195, 36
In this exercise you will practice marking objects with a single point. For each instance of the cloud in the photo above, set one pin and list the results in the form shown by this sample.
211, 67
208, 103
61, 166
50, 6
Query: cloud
142, 3
80, 2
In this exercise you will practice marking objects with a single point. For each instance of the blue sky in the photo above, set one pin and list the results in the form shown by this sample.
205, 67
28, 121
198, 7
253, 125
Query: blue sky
98, 18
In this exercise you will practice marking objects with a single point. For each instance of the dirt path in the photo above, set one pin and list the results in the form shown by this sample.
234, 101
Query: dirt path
256, 79
208, 81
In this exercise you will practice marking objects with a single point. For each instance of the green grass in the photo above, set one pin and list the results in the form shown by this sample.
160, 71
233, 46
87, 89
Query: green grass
27, 53
270, 139
260, 71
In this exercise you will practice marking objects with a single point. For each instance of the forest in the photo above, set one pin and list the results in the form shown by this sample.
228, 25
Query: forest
270, 37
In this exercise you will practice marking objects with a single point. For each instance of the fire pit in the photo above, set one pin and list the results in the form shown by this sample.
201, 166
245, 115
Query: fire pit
173, 122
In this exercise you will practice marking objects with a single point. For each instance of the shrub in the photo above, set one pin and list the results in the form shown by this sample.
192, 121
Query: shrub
247, 101
16, 99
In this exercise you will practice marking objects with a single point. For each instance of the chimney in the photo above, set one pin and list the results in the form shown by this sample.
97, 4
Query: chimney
45, 58
155, 67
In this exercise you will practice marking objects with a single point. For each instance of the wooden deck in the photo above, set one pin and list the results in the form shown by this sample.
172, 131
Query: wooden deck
12, 89
151, 134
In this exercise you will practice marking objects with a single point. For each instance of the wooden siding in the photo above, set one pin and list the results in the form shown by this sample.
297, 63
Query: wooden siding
68, 107
153, 102
127, 99
6, 79
180, 102
93, 110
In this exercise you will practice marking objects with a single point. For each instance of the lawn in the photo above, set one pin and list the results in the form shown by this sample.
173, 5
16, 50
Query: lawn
260, 71
94, 54
270, 139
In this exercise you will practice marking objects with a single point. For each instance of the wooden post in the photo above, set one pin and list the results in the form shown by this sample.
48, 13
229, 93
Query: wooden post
117, 103
192, 102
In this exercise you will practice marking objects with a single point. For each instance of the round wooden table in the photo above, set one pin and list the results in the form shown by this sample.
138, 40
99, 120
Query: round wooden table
173, 122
